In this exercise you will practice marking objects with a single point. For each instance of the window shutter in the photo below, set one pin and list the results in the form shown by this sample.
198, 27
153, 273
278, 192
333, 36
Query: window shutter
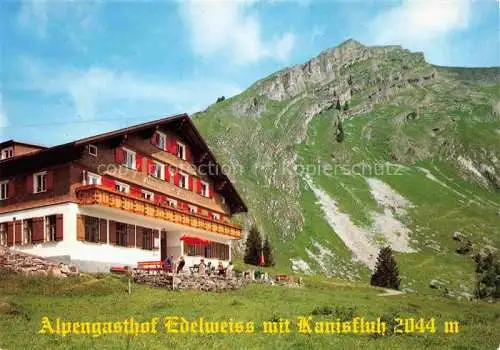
138, 162
112, 232
210, 191
172, 145
140, 239
103, 230
198, 186
80, 227
189, 157
119, 156
29, 183
11, 190
135, 191
60, 227
154, 139
151, 167
107, 182
49, 180
130, 236
159, 198
190, 182
37, 234
18, 231
167, 173
10, 233
176, 177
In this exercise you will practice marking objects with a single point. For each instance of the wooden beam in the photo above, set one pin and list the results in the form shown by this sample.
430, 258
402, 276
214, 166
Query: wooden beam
204, 155
221, 185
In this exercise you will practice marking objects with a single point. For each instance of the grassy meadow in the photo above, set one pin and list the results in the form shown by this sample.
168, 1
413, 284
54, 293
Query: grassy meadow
25, 300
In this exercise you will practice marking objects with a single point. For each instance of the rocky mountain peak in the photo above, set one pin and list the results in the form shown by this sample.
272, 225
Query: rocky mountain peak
335, 65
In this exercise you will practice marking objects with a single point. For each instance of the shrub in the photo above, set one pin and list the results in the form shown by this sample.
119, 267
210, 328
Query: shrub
487, 275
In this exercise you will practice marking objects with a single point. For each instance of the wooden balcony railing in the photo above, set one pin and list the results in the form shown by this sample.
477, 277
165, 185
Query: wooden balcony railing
95, 194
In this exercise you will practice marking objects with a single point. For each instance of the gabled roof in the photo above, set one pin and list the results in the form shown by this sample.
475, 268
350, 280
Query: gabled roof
9, 143
180, 123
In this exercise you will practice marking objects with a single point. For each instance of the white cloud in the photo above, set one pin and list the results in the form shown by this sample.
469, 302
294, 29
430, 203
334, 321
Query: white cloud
415, 23
94, 91
34, 13
232, 27
37, 14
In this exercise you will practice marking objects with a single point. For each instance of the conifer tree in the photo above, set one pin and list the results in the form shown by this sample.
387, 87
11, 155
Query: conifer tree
338, 107
487, 275
267, 251
253, 247
346, 106
386, 272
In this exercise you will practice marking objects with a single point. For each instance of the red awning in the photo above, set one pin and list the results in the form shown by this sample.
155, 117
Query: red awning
194, 240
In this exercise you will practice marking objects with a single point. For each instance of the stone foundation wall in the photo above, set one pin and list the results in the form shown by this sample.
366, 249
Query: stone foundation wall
189, 282
34, 265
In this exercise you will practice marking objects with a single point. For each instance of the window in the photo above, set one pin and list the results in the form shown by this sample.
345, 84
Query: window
162, 140
193, 209
121, 187
50, 228
147, 195
121, 234
93, 150
183, 180
27, 231
147, 238
4, 189
93, 179
181, 150
129, 158
204, 189
213, 250
40, 182
216, 216
91, 229
172, 202
7, 152
3, 234
158, 170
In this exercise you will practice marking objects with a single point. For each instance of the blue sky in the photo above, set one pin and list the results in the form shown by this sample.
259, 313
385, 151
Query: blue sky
75, 68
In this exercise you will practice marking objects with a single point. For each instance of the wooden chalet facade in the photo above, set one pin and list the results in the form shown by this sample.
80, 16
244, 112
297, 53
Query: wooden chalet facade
136, 194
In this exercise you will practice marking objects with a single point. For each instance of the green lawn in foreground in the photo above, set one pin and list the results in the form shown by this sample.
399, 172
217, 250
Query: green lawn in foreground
24, 300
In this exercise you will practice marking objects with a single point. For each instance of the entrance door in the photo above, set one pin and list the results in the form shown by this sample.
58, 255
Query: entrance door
163, 245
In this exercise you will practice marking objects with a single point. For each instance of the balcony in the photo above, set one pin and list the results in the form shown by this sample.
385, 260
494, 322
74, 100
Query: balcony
95, 194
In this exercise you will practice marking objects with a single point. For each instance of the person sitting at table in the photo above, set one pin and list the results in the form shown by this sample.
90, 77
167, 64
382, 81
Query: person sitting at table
201, 267
221, 269
180, 264
229, 270
167, 265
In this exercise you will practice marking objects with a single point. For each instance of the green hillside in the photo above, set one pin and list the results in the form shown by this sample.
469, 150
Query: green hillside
409, 158
25, 300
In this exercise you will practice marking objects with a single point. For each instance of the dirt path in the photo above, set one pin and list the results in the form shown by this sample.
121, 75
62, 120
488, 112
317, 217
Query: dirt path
390, 292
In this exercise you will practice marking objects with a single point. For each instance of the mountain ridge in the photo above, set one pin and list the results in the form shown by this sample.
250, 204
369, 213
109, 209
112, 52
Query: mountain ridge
373, 106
